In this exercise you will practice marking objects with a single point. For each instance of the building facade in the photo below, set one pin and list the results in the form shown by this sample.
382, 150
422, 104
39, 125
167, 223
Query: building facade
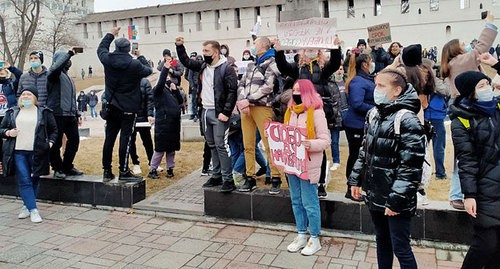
429, 22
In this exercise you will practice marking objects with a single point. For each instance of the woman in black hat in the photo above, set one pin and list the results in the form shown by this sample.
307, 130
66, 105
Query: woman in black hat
475, 129
30, 130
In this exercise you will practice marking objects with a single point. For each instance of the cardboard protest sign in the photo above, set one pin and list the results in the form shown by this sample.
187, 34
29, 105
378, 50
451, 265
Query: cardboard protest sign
286, 149
315, 33
133, 32
379, 34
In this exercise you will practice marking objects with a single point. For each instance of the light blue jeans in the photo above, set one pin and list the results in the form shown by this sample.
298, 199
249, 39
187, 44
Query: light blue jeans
335, 135
455, 188
305, 205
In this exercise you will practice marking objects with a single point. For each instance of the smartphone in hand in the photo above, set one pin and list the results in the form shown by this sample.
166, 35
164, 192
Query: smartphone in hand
484, 14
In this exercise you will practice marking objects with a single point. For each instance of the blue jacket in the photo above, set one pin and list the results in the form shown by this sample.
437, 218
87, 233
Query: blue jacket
360, 100
9, 88
437, 108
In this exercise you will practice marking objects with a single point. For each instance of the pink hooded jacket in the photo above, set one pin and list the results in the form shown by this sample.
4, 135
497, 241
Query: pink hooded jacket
318, 145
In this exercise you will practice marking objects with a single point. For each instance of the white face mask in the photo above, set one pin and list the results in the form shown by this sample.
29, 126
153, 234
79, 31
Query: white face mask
485, 94
380, 98
311, 54
372, 67
246, 56
223, 51
496, 93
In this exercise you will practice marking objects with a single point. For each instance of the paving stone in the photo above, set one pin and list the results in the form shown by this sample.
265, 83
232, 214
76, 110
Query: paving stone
240, 265
86, 246
294, 260
32, 237
93, 215
191, 246
208, 263
196, 261
123, 222
19, 254
222, 263
125, 250
99, 261
322, 262
267, 259
168, 259
64, 213
77, 230
198, 232
176, 225
264, 240
235, 232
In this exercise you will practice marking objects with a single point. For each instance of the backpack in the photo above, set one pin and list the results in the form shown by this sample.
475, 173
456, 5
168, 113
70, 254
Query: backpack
426, 167
278, 79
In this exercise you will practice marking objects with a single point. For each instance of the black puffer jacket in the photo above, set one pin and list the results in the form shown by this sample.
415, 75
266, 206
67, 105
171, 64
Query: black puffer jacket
147, 105
478, 155
319, 77
393, 165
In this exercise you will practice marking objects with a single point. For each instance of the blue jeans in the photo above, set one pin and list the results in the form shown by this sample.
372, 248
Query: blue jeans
438, 146
93, 112
455, 188
393, 238
28, 186
305, 205
335, 135
235, 142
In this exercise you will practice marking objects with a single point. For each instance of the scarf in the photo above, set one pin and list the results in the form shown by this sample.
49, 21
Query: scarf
487, 108
299, 109
268, 54
315, 59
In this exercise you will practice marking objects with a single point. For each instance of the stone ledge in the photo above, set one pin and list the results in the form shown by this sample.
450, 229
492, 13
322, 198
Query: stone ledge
434, 222
82, 190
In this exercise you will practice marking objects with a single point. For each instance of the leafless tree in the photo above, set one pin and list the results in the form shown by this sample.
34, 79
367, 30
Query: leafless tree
23, 25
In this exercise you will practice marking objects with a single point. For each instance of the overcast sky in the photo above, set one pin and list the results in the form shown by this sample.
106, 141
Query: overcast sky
108, 5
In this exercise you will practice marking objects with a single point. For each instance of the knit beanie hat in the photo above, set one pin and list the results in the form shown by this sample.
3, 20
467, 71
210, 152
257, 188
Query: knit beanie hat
122, 44
467, 81
34, 91
412, 55
361, 42
167, 52
39, 54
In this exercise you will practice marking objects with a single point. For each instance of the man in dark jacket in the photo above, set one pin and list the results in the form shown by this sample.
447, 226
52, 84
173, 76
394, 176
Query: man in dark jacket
145, 118
218, 97
475, 127
123, 76
83, 102
176, 69
62, 100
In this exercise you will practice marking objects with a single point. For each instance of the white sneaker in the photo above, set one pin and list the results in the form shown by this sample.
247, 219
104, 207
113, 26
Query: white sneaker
160, 169
312, 247
137, 169
422, 199
35, 216
335, 166
24, 213
298, 243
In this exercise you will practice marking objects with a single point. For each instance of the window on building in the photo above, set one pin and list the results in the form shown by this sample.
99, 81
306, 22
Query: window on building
130, 21
464, 4
115, 23
217, 19
279, 8
434, 5
377, 8
99, 29
198, 21
85, 31
146, 25
163, 24
326, 9
448, 30
237, 18
257, 14
181, 22
350, 9
405, 6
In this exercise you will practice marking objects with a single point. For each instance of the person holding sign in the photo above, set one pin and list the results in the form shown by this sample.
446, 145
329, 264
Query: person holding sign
313, 66
305, 110
389, 166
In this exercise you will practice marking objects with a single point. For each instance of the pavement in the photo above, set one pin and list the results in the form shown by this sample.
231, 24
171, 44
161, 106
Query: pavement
86, 237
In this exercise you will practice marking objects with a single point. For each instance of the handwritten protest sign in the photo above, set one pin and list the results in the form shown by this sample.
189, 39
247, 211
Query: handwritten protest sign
286, 149
379, 34
316, 33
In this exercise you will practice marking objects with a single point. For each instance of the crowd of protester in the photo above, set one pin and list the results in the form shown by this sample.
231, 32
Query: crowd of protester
390, 103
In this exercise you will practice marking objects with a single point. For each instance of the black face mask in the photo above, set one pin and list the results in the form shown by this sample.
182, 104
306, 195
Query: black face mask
208, 59
297, 99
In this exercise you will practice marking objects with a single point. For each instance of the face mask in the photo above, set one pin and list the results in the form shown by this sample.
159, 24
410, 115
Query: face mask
496, 93
297, 99
223, 51
208, 59
35, 65
468, 49
338, 77
253, 50
246, 56
380, 98
311, 54
27, 103
484, 94
372, 67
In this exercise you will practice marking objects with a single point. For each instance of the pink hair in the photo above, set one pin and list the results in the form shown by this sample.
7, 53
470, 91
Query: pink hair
309, 95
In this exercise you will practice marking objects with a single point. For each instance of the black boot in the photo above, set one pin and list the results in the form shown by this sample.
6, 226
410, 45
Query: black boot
275, 185
153, 174
227, 186
128, 177
107, 175
213, 182
322, 191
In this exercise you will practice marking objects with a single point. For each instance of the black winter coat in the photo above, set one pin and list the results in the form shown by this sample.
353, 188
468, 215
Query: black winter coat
83, 101
45, 133
225, 88
392, 166
123, 76
168, 116
147, 104
478, 155
319, 77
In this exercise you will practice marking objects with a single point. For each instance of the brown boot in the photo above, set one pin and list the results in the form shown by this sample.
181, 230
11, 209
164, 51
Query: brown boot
457, 204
